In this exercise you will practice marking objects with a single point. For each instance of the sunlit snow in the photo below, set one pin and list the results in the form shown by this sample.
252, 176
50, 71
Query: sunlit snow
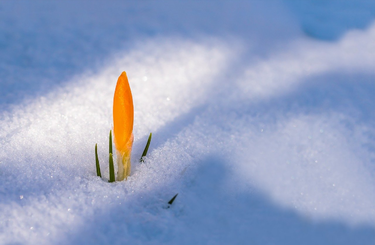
262, 121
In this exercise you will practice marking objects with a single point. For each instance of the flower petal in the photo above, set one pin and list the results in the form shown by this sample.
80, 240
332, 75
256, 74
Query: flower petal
123, 115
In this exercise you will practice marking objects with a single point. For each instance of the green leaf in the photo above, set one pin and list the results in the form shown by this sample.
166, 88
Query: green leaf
110, 142
98, 173
146, 148
172, 200
111, 169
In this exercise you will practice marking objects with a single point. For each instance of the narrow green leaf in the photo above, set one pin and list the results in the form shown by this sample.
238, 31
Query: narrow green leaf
110, 141
172, 200
111, 169
98, 173
146, 148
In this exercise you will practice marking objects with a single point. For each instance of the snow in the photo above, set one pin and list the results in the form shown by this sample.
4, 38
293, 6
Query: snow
262, 119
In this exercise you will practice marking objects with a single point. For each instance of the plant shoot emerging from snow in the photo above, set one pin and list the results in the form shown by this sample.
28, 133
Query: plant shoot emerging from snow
123, 119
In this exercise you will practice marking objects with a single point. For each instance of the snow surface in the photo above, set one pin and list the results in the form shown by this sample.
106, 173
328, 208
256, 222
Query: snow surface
262, 116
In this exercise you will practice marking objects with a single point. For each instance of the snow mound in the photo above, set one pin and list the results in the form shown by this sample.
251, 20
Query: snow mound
266, 141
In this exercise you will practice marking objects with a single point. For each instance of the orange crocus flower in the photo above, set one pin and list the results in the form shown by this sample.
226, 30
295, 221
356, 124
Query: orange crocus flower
123, 119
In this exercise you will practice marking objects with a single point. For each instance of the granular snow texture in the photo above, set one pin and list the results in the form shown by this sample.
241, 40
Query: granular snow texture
263, 121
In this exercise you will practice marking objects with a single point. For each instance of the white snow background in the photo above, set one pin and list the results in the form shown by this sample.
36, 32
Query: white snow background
262, 113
